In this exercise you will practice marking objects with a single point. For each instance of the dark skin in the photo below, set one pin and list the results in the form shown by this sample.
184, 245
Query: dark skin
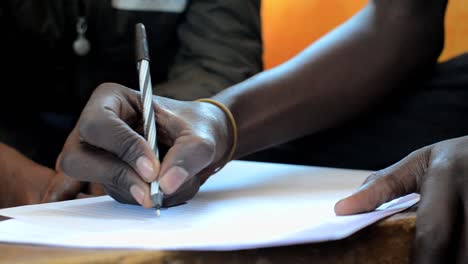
342, 75
122, 160
27, 182
439, 173
199, 139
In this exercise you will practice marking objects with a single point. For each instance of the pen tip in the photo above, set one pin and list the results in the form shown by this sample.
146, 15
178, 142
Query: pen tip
158, 212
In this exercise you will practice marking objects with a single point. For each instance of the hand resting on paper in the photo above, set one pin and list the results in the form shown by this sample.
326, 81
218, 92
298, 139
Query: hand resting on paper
439, 173
23, 181
107, 146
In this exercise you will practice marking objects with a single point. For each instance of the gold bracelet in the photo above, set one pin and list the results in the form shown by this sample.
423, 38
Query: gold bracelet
233, 124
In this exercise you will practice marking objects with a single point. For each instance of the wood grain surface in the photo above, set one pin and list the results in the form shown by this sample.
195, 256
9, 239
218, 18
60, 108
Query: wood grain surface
389, 241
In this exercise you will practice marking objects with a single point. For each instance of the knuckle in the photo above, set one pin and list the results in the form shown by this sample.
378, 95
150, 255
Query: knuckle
118, 177
417, 153
376, 176
419, 157
130, 146
88, 127
372, 178
382, 186
106, 87
393, 183
205, 146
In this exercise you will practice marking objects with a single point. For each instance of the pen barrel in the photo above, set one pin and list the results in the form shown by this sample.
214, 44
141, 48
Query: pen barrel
146, 92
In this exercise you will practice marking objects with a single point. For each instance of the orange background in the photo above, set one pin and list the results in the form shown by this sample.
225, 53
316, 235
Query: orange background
290, 26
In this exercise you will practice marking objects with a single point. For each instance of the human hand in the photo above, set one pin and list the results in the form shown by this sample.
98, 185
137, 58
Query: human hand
107, 147
23, 182
440, 174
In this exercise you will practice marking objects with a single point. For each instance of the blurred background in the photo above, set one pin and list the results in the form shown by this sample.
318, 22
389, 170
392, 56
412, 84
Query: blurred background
290, 26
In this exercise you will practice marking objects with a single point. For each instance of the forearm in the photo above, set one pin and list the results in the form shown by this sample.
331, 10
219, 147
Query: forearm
337, 77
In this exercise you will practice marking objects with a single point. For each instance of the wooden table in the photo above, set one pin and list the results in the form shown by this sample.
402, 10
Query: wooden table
388, 241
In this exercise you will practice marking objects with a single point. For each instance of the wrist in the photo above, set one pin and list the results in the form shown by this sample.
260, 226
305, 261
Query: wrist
225, 132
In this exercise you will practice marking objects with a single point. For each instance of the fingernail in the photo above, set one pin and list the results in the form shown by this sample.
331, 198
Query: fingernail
173, 179
145, 168
137, 193
338, 208
338, 202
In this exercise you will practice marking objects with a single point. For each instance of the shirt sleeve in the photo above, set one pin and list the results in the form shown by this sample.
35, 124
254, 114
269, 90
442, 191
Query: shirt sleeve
220, 45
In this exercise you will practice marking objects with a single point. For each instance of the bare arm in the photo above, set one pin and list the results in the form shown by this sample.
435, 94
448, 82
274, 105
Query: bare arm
342, 74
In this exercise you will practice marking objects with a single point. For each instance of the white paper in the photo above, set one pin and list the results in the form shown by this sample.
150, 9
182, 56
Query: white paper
246, 205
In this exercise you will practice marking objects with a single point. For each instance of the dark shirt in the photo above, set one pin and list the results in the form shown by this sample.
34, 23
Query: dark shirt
208, 46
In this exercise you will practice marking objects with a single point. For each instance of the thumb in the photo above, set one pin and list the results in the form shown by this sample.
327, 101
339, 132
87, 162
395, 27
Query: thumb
185, 159
385, 185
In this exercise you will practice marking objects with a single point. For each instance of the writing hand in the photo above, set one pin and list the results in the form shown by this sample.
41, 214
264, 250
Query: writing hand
107, 146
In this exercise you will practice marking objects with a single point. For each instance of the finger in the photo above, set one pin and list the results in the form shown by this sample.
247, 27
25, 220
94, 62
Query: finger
187, 157
107, 123
185, 192
385, 185
87, 163
61, 188
436, 217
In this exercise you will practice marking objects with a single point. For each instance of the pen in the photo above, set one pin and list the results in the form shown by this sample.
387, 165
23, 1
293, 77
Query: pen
142, 58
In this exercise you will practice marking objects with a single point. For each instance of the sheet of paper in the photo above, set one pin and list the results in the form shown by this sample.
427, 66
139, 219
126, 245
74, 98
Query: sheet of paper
246, 205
